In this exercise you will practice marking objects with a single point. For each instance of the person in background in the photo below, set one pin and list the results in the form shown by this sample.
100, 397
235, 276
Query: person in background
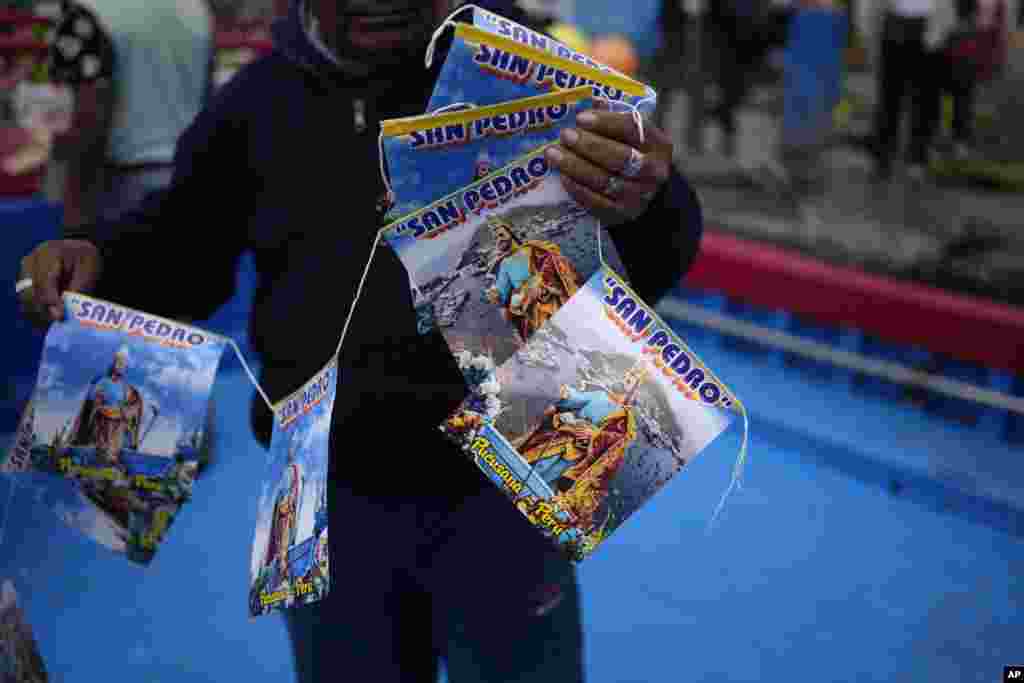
140, 71
539, 15
973, 53
743, 33
667, 69
912, 33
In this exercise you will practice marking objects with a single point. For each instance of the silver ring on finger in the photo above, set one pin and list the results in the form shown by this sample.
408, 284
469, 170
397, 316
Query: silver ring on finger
614, 187
23, 284
634, 165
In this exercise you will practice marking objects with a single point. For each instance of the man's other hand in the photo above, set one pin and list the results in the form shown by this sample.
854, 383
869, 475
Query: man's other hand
54, 268
606, 167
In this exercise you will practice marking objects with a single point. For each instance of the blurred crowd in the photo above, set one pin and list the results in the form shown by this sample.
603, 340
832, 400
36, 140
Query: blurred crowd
927, 63
928, 60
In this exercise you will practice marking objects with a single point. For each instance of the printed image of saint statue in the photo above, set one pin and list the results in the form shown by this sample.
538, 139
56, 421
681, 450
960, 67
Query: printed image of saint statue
581, 442
532, 279
285, 516
111, 416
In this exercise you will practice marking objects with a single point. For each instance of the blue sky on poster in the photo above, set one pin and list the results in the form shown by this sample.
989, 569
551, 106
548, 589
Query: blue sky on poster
176, 381
421, 176
462, 81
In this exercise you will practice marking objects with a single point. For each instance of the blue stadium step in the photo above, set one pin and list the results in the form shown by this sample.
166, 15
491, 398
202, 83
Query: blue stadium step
957, 456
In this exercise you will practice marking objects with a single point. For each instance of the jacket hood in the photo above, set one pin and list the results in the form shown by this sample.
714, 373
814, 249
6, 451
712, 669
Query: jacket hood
291, 40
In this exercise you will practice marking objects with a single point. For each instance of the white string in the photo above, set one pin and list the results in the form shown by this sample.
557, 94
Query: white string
639, 121
737, 470
638, 118
383, 163
600, 249
428, 59
248, 371
449, 21
441, 110
384, 175
359, 292
344, 330
634, 110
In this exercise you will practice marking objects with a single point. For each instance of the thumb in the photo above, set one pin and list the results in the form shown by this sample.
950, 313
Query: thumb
48, 287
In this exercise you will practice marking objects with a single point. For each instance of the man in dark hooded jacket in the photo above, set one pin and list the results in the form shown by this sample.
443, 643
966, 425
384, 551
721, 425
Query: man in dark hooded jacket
429, 560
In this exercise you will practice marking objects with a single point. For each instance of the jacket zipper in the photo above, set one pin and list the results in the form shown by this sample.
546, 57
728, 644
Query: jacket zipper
359, 115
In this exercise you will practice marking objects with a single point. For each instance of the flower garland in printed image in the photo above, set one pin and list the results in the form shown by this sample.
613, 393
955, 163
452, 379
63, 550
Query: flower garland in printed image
484, 387
482, 405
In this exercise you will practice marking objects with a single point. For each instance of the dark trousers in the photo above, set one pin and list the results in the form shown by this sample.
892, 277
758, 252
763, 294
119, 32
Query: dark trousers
946, 75
741, 48
958, 78
905, 76
420, 580
963, 112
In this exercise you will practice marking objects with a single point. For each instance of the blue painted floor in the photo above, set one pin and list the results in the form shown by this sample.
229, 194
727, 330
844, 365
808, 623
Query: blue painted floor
99, 617
810, 575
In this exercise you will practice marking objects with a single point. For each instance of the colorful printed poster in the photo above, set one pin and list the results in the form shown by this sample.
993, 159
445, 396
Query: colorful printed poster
20, 661
588, 420
484, 67
492, 262
120, 407
290, 554
431, 156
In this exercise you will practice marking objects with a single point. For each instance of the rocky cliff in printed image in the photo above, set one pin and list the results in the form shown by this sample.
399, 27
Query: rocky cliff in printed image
493, 262
20, 661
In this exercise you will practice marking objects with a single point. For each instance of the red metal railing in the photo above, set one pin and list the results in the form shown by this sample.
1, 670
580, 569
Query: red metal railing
962, 327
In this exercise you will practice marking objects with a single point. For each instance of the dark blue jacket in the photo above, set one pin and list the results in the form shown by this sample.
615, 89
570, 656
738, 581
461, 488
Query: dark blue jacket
283, 162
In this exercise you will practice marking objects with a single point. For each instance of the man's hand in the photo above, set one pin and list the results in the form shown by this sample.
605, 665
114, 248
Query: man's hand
606, 168
55, 267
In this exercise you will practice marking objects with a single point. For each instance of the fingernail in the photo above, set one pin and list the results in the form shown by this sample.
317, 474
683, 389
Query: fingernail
587, 118
570, 136
553, 154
